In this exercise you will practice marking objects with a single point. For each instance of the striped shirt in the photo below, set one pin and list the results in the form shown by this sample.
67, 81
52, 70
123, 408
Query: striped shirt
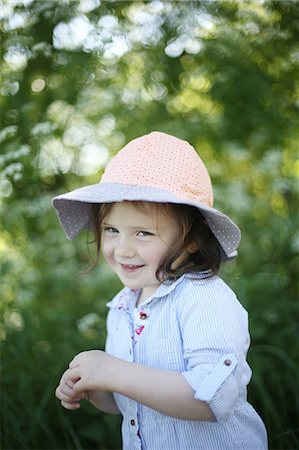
195, 326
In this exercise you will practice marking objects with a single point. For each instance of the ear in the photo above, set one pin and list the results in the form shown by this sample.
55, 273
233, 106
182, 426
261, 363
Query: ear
192, 247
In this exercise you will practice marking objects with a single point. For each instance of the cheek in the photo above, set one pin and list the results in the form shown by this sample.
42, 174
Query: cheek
155, 255
106, 248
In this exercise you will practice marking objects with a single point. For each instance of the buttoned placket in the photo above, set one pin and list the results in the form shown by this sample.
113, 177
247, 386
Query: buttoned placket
132, 409
140, 317
132, 406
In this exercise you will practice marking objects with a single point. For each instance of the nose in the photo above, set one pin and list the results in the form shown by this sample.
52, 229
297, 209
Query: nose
124, 248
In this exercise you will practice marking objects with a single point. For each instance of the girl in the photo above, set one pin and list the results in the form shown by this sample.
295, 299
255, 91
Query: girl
175, 361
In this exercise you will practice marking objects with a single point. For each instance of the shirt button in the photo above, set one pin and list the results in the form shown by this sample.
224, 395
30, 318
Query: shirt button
227, 362
132, 422
143, 316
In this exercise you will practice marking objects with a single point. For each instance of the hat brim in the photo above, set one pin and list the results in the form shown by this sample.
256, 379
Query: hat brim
74, 210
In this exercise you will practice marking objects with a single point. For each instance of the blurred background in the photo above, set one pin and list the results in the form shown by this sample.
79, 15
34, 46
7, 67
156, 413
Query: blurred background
81, 78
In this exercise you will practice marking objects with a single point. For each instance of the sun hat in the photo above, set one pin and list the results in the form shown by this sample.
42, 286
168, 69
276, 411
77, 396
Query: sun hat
156, 167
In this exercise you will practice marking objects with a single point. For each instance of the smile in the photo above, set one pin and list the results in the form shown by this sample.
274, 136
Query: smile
130, 267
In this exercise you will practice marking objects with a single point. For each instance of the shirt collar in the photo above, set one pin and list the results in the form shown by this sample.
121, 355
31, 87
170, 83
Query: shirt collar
128, 297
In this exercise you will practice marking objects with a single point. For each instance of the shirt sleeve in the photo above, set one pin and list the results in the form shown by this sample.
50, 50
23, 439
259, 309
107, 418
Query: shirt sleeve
214, 330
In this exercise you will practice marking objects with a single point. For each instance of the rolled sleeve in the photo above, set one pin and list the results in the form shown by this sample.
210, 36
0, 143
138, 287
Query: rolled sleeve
215, 338
219, 388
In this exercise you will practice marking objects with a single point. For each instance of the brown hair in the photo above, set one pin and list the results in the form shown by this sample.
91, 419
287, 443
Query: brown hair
193, 230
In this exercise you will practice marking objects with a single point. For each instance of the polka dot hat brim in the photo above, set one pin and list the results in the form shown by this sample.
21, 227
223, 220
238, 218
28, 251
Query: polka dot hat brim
74, 210
156, 167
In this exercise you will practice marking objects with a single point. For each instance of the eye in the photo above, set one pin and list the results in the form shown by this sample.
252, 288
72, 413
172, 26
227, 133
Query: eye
110, 230
143, 233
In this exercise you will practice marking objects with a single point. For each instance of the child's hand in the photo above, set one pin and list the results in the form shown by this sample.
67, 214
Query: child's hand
90, 371
69, 399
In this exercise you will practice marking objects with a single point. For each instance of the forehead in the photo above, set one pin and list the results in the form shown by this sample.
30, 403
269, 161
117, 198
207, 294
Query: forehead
155, 214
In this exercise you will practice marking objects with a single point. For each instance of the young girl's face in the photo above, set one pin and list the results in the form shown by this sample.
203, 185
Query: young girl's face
134, 241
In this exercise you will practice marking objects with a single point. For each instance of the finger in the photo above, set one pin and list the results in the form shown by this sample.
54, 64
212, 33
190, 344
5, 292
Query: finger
74, 363
66, 390
62, 394
66, 379
79, 388
66, 383
73, 376
69, 396
70, 406
66, 398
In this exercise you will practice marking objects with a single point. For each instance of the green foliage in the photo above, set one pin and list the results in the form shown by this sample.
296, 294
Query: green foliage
81, 78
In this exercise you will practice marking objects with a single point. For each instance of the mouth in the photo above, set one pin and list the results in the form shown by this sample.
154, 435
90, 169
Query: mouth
131, 267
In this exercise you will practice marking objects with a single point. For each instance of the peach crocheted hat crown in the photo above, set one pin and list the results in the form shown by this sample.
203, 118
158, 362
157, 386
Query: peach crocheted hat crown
156, 167
162, 161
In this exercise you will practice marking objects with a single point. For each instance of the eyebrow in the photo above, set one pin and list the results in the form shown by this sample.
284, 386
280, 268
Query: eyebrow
137, 227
